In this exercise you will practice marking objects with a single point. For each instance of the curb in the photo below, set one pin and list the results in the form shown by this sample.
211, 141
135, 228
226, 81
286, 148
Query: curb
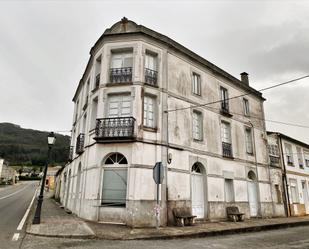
226, 231
63, 236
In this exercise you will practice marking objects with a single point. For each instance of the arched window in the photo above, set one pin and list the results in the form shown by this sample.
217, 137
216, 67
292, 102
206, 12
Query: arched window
116, 158
251, 175
196, 168
115, 180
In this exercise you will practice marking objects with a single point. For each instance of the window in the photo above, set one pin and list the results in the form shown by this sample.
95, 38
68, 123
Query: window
224, 100
149, 111
294, 191
115, 181
249, 143
289, 154
119, 106
76, 110
229, 190
196, 84
197, 125
94, 111
87, 94
151, 74
273, 150
121, 67
97, 72
226, 139
306, 155
122, 60
300, 157
246, 107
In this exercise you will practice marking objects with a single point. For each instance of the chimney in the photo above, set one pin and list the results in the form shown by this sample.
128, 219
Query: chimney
245, 78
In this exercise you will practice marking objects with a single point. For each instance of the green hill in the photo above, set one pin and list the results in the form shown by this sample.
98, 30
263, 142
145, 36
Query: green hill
21, 146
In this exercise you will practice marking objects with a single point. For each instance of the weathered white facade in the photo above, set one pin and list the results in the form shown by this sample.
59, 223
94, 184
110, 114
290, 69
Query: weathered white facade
294, 161
138, 103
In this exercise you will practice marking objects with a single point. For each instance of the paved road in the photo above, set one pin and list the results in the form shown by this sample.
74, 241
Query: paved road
14, 201
292, 238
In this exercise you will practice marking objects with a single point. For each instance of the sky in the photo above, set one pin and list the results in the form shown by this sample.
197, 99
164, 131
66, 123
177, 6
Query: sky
44, 48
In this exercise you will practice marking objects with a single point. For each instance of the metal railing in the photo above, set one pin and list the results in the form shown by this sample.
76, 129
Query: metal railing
80, 143
71, 153
151, 76
114, 128
97, 81
227, 149
225, 106
274, 160
120, 75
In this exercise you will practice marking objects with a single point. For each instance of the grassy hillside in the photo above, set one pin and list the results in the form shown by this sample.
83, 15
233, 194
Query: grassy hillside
21, 146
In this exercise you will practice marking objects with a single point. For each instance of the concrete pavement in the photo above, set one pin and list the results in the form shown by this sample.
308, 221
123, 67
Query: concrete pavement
56, 222
14, 201
290, 238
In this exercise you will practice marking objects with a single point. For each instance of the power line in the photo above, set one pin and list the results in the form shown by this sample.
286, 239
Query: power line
238, 96
262, 119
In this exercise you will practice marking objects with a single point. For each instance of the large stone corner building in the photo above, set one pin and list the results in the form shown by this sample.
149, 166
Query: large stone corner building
138, 103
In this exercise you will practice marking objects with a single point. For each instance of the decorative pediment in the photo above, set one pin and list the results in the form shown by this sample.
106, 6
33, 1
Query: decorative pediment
123, 26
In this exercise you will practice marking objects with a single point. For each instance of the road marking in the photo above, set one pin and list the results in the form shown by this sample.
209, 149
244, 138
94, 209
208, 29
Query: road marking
23, 220
15, 237
14, 193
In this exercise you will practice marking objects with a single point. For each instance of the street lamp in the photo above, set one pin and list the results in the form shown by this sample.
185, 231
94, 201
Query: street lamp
51, 139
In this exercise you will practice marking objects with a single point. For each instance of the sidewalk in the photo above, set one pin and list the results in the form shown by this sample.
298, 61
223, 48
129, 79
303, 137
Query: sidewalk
55, 222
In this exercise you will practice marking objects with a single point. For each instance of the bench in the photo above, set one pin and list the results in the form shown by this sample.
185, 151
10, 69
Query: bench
183, 216
233, 214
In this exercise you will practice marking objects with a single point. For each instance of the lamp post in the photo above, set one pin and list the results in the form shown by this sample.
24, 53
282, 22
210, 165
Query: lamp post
51, 139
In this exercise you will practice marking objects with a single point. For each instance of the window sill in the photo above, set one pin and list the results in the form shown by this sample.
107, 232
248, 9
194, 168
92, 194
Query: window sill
198, 140
226, 113
109, 84
228, 157
250, 154
152, 85
146, 128
95, 89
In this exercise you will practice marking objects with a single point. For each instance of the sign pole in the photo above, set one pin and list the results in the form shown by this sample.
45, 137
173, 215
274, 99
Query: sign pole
158, 175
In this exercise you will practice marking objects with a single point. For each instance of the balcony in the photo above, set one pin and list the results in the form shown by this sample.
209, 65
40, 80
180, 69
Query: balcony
274, 160
227, 150
225, 108
71, 154
111, 129
97, 81
80, 143
121, 75
151, 77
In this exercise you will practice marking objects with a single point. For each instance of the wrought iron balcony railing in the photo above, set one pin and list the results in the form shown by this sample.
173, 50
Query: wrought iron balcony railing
115, 128
97, 81
71, 153
227, 149
225, 107
151, 77
120, 75
274, 160
80, 143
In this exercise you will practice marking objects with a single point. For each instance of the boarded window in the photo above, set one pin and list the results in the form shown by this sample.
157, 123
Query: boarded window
196, 84
249, 144
197, 126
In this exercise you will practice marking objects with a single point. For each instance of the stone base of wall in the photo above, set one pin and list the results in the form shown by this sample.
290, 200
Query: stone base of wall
278, 210
298, 209
175, 204
266, 209
217, 210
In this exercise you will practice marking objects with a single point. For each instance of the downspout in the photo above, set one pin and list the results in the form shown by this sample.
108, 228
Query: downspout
256, 168
285, 186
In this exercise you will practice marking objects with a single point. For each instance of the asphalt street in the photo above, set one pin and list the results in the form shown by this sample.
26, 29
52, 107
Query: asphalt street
292, 238
14, 201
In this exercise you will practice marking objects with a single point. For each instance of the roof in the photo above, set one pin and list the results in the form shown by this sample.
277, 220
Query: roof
281, 135
126, 27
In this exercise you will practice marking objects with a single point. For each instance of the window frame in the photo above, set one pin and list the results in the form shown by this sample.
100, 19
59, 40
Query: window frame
199, 123
196, 86
154, 103
249, 140
246, 107
231, 191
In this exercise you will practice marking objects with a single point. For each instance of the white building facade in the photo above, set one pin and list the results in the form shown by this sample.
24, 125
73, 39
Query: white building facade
140, 102
293, 159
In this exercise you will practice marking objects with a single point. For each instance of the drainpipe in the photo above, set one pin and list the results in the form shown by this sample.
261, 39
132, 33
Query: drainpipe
285, 182
256, 167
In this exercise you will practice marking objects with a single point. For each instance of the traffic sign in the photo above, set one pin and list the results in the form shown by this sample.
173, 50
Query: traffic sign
158, 173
